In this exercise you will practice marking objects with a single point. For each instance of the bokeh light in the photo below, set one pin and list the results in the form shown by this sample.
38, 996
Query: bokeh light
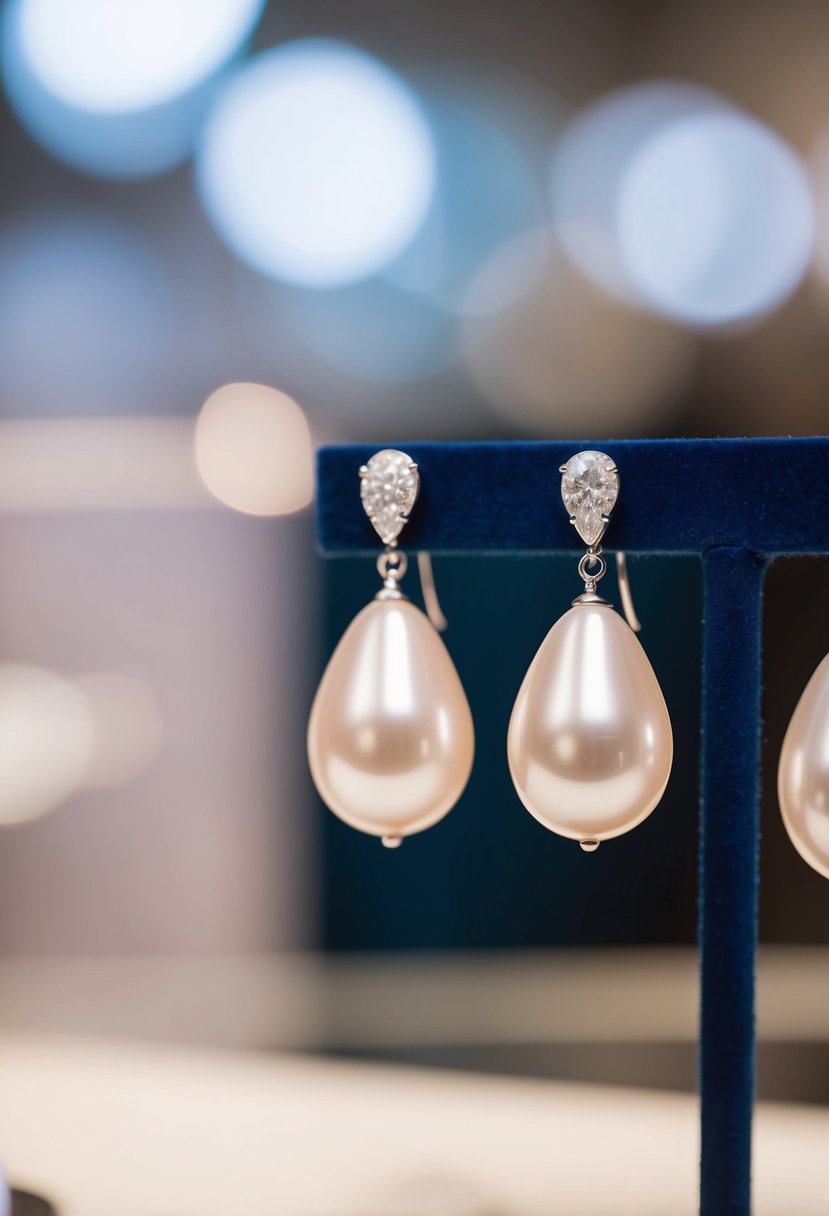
127, 726
253, 450
118, 87
373, 331
509, 275
564, 357
46, 741
113, 55
316, 165
591, 160
87, 316
395, 359
715, 219
492, 136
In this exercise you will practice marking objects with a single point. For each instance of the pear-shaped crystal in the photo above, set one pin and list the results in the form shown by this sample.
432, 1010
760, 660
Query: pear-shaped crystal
590, 487
388, 488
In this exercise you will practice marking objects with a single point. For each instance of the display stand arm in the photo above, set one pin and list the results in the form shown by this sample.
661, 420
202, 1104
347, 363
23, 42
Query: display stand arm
735, 503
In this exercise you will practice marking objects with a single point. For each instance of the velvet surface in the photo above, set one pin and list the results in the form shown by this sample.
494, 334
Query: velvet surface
736, 502
677, 496
729, 874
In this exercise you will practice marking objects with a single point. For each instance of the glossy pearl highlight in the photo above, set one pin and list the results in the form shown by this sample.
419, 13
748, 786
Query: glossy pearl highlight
590, 745
390, 739
803, 773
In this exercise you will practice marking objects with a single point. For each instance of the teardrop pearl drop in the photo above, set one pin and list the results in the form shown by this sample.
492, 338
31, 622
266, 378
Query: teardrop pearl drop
803, 774
590, 743
390, 739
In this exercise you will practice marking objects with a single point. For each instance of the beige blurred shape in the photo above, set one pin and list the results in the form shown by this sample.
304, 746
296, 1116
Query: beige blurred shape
46, 741
565, 357
59, 735
127, 726
253, 450
97, 464
429, 1193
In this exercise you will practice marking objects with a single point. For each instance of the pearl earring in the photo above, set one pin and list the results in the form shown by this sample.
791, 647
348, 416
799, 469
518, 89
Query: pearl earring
803, 773
590, 745
390, 738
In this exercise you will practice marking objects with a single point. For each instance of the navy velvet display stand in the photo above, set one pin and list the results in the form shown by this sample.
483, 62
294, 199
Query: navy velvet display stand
737, 503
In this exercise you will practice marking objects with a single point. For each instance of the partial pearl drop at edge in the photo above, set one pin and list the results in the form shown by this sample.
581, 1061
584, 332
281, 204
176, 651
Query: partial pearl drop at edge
390, 738
803, 773
590, 745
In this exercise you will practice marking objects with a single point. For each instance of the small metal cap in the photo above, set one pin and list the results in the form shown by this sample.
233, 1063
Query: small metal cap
590, 597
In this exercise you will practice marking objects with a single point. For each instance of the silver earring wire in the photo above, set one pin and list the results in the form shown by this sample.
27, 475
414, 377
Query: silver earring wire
625, 593
430, 595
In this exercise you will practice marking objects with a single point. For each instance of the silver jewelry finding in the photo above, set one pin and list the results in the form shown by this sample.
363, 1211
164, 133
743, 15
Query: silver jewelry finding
390, 737
389, 486
589, 744
590, 489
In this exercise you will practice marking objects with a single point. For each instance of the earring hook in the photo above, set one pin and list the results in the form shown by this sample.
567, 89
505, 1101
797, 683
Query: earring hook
625, 592
430, 595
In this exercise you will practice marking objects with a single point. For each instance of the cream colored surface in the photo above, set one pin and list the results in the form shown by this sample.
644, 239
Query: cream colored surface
105, 1128
390, 739
590, 744
803, 775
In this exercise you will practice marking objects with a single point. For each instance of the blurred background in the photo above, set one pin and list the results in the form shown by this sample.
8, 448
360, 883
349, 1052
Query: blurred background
231, 230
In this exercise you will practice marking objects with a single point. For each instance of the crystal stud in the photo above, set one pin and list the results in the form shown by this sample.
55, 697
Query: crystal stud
590, 487
389, 485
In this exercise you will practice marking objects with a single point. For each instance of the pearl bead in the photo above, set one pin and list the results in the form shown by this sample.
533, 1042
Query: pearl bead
590, 744
803, 774
390, 739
